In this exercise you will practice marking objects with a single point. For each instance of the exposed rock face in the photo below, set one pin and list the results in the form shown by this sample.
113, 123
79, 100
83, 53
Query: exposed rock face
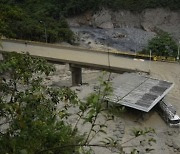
157, 17
126, 19
164, 19
149, 19
102, 19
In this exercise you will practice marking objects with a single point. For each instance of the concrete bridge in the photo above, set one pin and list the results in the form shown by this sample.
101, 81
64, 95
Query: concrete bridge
77, 57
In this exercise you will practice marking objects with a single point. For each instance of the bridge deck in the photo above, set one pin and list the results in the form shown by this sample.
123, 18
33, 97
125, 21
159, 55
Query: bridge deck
78, 56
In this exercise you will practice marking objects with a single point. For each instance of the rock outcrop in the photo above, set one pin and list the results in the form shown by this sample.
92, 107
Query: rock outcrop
148, 20
166, 20
102, 19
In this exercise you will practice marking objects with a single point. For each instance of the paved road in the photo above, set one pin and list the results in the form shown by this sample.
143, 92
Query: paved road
79, 56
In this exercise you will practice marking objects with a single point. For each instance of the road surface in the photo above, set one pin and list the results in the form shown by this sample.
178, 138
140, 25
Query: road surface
82, 57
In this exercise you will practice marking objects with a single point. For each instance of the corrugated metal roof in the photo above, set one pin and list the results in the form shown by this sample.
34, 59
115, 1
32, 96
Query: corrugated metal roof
139, 92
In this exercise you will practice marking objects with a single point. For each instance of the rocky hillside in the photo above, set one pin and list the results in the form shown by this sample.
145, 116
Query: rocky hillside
124, 30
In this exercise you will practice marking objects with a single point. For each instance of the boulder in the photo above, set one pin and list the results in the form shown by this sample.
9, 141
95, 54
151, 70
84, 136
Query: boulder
102, 19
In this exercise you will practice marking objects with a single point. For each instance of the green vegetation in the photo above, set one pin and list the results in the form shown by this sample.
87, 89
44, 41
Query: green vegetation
28, 109
35, 118
140, 5
20, 18
162, 45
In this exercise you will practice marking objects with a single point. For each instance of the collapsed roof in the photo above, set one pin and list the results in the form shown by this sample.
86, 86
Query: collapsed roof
138, 92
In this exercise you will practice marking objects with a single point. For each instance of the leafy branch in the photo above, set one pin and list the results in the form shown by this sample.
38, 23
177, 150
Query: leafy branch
37, 115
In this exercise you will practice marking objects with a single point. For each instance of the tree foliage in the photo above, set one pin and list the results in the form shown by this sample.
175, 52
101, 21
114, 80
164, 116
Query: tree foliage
140, 5
20, 19
35, 118
162, 45
28, 108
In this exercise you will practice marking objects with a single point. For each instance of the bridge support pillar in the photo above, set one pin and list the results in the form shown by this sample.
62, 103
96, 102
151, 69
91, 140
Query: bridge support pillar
76, 73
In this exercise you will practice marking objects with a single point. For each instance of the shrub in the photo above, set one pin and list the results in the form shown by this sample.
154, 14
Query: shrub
162, 45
